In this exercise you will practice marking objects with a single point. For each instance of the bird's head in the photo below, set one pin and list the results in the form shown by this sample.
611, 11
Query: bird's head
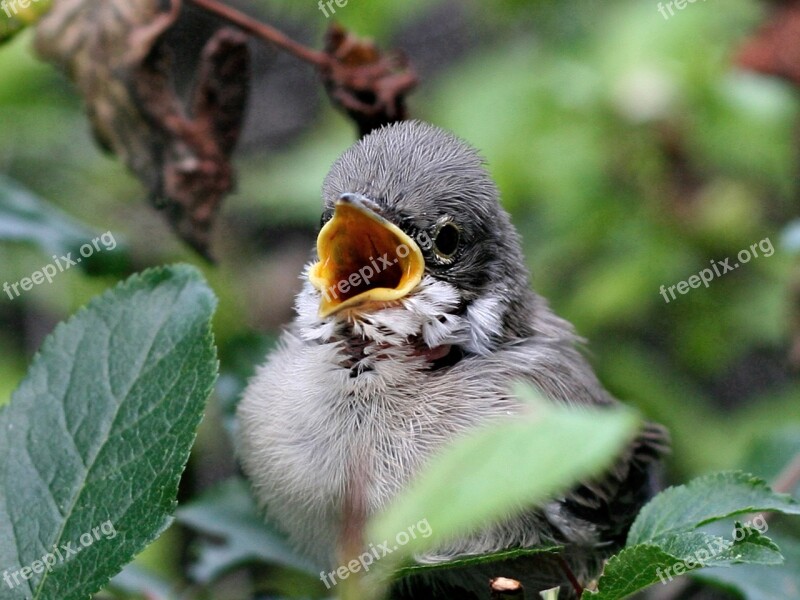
414, 244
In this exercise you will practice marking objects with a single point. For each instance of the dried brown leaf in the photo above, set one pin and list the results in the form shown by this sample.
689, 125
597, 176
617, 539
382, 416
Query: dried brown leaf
115, 52
369, 86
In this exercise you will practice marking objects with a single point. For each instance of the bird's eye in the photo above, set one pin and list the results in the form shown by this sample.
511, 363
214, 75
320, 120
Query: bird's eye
445, 242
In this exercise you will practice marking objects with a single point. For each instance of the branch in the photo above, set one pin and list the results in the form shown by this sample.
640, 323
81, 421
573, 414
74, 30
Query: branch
367, 84
264, 32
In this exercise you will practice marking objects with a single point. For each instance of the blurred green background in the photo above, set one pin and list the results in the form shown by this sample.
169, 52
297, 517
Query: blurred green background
628, 148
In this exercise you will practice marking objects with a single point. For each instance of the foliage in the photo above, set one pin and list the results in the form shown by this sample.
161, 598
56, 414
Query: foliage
665, 533
96, 437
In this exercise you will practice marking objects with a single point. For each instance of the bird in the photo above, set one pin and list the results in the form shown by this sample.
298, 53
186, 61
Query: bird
415, 321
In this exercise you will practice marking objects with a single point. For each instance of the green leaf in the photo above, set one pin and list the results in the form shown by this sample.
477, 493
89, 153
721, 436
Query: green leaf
97, 435
711, 550
504, 467
631, 570
754, 549
640, 566
767, 457
470, 561
759, 582
24, 217
706, 499
228, 514
665, 533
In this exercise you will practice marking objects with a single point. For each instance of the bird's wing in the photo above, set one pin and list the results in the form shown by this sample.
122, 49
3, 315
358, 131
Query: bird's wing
613, 501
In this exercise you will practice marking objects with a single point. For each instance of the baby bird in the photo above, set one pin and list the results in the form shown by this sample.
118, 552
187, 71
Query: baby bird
415, 320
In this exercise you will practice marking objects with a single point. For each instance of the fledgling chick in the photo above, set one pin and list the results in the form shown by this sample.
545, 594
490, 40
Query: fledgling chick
415, 319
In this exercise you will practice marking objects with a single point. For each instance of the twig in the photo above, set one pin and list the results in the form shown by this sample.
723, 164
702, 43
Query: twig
573, 581
264, 32
789, 477
368, 85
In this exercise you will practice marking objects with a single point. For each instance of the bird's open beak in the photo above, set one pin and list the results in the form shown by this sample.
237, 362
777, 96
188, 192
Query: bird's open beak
363, 259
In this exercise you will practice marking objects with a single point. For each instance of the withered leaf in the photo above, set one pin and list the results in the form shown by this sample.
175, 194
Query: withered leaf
369, 86
775, 48
115, 52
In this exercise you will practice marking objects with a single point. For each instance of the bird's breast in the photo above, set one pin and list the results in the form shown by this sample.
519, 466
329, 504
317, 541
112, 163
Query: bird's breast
315, 431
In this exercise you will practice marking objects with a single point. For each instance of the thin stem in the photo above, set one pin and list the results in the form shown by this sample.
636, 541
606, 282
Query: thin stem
573, 581
263, 31
789, 477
